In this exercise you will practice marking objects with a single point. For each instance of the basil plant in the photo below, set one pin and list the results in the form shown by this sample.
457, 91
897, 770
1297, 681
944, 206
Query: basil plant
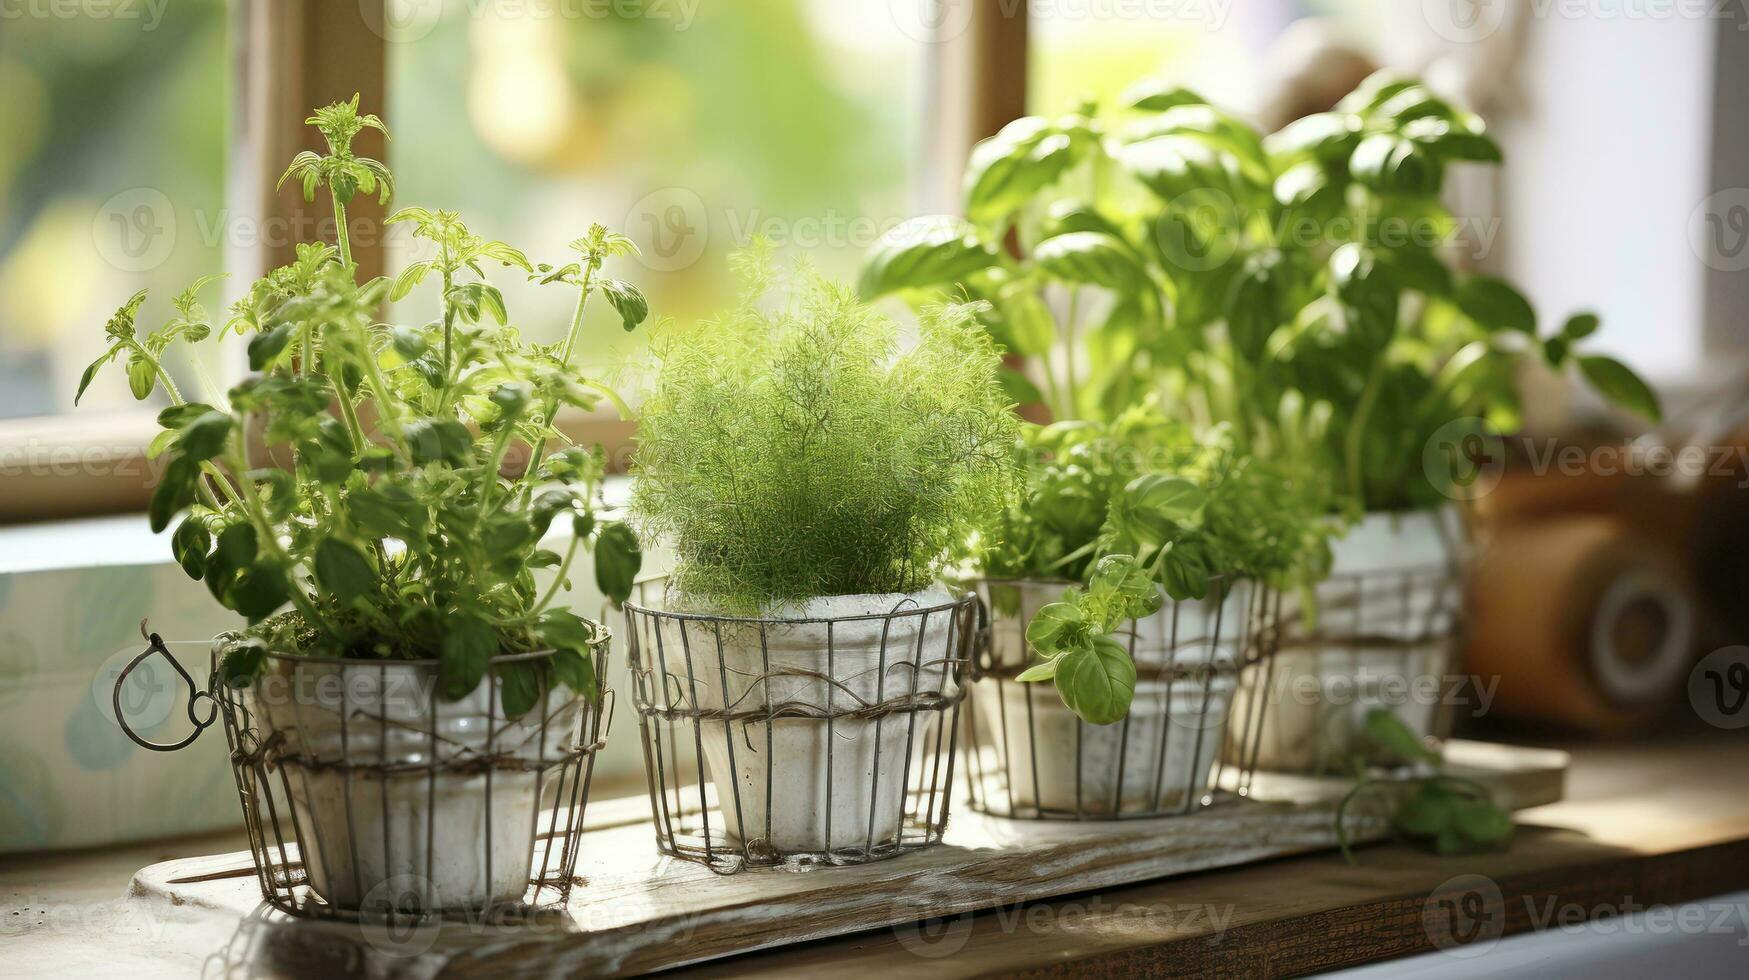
1296, 286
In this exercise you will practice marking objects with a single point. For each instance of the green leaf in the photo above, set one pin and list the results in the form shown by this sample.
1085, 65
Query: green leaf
469, 644
190, 545
1257, 303
617, 560
90, 373
1007, 169
205, 437
1423, 814
266, 346
1579, 326
243, 662
177, 416
1481, 822
1157, 96
519, 687
344, 570
408, 342
1393, 739
1097, 683
1618, 383
259, 590
576, 670
1091, 257
626, 298
1056, 625
176, 490
1153, 506
1495, 305
1325, 136
1390, 164
439, 440
1044, 670
933, 251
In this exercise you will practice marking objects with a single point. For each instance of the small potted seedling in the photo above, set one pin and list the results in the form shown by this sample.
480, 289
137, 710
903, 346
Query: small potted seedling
371, 501
1173, 544
814, 476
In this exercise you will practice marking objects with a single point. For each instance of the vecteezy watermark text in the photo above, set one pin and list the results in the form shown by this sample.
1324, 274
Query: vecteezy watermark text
149, 13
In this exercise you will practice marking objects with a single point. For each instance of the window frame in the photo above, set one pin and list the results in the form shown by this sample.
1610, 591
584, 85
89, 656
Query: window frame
295, 54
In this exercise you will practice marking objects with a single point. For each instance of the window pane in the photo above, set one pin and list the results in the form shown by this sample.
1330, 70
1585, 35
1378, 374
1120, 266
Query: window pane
1099, 48
111, 180
688, 126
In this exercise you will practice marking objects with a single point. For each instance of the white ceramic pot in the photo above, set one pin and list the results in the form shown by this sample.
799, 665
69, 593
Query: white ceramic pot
413, 839
1155, 761
799, 785
1380, 635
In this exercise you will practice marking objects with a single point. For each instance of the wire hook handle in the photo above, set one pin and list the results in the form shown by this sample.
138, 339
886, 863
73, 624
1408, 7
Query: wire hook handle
194, 696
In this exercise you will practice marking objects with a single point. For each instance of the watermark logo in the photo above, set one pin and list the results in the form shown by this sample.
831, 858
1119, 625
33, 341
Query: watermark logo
1718, 230
401, 934
1464, 21
671, 227
1464, 459
932, 21
149, 13
135, 230
1465, 916
401, 21
930, 937
1718, 687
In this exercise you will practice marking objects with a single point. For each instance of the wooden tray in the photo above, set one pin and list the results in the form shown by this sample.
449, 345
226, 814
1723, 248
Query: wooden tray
638, 911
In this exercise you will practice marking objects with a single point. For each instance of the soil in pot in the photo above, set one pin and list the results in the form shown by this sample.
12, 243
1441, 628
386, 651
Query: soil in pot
805, 739
379, 829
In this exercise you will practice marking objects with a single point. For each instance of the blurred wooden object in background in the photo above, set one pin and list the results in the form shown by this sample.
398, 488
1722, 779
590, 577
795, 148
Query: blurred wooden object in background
1598, 582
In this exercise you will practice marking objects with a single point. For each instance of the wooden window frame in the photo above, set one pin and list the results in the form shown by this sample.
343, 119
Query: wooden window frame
294, 54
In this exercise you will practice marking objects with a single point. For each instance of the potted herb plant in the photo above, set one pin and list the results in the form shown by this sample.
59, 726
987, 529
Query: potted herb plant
372, 501
1174, 543
1296, 287
814, 476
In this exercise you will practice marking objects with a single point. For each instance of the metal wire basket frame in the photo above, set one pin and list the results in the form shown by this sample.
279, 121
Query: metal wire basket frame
279, 771
749, 726
1361, 634
1188, 678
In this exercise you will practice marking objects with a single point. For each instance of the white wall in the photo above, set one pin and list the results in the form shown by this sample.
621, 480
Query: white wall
1605, 165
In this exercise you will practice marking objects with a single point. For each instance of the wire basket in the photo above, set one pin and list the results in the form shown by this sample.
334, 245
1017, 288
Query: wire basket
1028, 756
1378, 640
821, 739
367, 796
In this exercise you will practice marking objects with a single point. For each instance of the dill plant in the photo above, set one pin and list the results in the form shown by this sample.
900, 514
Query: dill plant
801, 450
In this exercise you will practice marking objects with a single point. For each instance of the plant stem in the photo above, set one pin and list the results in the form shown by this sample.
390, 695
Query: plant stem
1069, 344
1357, 428
341, 237
551, 405
564, 572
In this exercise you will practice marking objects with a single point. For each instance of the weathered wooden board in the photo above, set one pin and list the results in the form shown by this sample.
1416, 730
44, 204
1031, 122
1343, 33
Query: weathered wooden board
638, 911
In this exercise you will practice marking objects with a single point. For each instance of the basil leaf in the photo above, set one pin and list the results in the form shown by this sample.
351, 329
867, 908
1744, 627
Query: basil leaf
1618, 383
1097, 683
617, 560
190, 545
344, 570
469, 644
519, 687
1495, 305
933, 251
